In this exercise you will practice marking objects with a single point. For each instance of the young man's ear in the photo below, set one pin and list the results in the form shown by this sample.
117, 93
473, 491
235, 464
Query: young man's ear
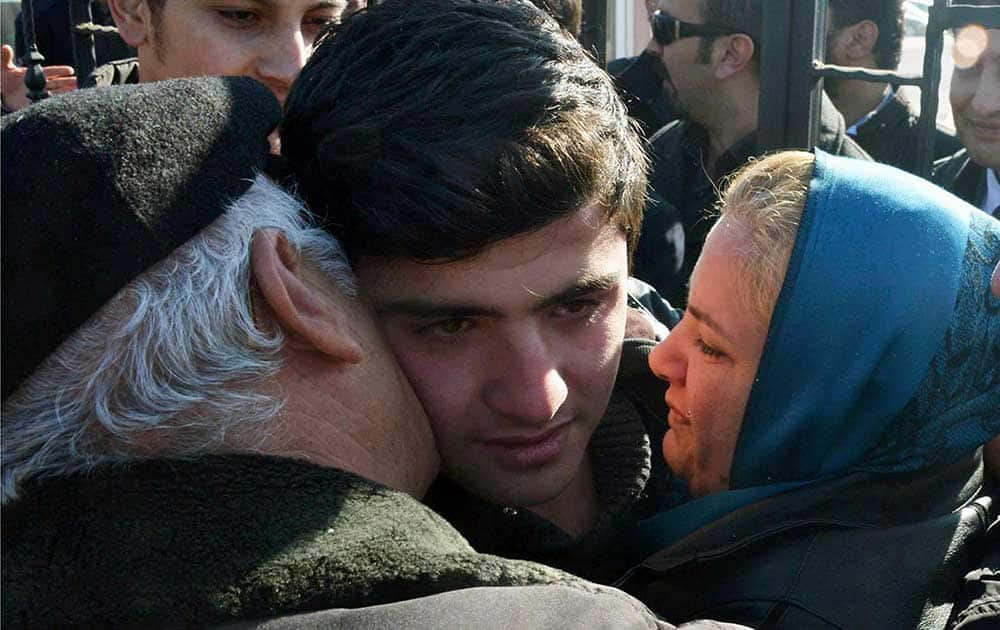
309, 318
735, 56
134, 20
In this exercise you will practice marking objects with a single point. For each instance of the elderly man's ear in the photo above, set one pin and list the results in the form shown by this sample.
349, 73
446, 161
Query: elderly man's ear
310, 318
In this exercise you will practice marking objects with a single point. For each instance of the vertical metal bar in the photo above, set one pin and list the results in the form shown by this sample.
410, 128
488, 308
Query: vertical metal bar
84, 48
807, 42
934, 47
34, 78
775, 95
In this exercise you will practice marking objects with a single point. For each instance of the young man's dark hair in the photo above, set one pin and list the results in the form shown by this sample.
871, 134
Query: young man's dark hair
888, 17
481, 152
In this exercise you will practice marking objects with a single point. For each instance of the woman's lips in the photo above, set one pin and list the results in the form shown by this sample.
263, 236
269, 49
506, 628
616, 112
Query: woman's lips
675, 417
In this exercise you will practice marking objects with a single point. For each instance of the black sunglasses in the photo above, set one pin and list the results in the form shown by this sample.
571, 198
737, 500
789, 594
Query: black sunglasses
668, 29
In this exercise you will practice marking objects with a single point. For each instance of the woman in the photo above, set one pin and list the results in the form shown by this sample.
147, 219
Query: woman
835, 372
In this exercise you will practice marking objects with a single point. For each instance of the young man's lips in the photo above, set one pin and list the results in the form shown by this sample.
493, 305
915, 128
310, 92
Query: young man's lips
530, 451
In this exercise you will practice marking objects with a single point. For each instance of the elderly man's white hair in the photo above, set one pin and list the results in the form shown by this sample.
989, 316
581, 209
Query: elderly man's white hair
175, 363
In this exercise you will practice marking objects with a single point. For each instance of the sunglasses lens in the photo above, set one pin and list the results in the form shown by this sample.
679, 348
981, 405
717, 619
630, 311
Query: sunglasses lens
662, 31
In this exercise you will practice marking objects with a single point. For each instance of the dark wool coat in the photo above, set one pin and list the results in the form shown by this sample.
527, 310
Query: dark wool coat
215, 539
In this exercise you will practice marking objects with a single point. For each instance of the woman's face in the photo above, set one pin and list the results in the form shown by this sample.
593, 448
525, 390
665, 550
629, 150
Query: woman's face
710, 360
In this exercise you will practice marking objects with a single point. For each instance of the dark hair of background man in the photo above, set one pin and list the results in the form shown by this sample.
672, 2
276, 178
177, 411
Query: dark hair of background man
888, 16
739, 15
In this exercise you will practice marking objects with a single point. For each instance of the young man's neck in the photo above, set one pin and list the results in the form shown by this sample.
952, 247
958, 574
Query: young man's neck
855, 99
576, 509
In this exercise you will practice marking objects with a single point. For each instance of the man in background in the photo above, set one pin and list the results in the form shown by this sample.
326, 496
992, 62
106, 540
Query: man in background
709, 51
269, 41
971, 173
869, 34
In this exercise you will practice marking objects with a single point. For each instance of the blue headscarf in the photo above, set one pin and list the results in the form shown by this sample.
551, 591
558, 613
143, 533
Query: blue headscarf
883, 352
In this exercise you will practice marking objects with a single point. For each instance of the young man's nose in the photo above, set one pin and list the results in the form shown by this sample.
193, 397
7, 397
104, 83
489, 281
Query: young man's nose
527, 384
281, 62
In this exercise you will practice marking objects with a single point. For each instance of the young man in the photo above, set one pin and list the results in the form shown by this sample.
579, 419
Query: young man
264, 39
488, 186
869, 34
711, 74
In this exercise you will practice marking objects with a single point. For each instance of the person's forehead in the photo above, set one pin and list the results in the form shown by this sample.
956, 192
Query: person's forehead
715, 282
515, 273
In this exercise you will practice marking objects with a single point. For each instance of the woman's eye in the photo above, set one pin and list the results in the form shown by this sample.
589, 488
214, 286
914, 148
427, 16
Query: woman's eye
707, 349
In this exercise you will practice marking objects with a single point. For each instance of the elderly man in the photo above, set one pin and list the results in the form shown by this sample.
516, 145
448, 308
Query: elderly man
201, 423
709, 51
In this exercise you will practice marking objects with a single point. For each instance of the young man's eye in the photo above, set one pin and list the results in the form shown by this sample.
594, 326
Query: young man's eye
238, 17
576, 309
708, 350
447, 328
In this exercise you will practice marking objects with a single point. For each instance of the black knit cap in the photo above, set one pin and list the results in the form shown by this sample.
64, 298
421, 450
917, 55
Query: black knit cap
100, 184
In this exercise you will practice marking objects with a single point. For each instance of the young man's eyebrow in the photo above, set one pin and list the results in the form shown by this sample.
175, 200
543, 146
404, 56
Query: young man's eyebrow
318, 4
428, 309
707, 320
586, 286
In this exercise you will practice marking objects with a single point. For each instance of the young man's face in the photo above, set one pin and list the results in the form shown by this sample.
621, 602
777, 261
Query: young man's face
513, 353
268, 40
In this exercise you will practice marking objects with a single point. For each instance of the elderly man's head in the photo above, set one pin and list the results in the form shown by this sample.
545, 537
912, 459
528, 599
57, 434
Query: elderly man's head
245, 337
